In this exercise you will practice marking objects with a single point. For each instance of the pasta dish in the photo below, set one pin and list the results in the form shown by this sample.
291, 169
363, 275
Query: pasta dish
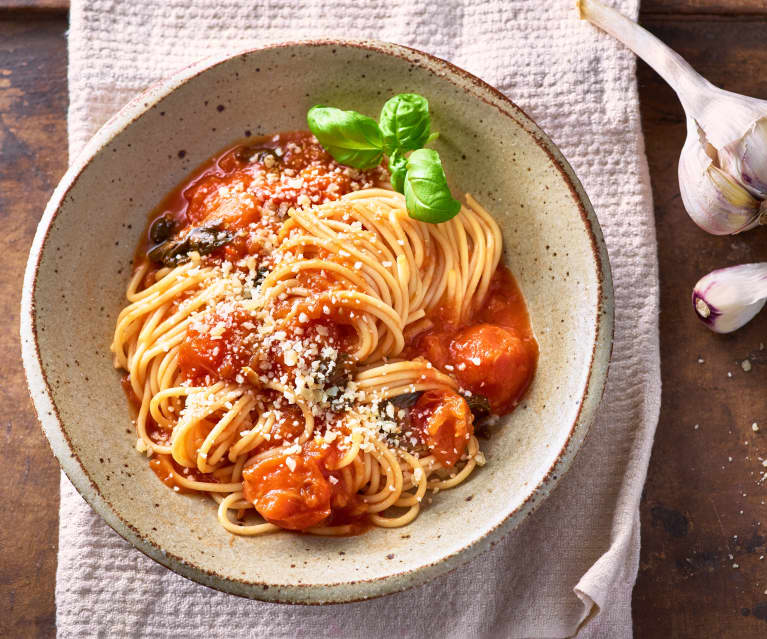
307, 354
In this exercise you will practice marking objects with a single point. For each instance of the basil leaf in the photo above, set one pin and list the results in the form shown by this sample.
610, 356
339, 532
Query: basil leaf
203, 239
335, 371
405, 122
406, 400
261, 275
427, 195
397, 169
479, 406
351, 138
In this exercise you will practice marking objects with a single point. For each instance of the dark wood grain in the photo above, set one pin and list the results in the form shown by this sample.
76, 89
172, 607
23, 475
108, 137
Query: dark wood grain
702, 570
35, 5
34, 10
33, 142
705, 7
702, 513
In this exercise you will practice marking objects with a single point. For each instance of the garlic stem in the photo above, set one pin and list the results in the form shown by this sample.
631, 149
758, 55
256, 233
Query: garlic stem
728, 298
672, 67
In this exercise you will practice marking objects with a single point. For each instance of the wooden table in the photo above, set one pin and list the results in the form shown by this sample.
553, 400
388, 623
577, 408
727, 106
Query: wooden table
702, 573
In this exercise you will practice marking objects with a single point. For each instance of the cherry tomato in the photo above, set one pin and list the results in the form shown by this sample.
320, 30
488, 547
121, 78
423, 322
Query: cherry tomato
492, 361
290, 494
444, 422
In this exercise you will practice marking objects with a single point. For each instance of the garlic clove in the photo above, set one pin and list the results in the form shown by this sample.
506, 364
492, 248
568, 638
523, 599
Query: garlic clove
715, 201
746, 158
728, 298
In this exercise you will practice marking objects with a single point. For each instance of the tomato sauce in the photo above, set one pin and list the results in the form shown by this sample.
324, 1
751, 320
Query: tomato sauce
494, 355
168, 471
287, 428
236, 186
216, 348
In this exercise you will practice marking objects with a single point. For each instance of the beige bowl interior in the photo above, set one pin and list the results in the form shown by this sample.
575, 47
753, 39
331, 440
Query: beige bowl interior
81, 261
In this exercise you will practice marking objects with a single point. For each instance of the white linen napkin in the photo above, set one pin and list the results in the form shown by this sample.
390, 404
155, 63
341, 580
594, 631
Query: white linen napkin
573, 563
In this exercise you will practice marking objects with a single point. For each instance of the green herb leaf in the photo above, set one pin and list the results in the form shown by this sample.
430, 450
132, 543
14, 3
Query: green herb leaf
203, 239
351, 138
479, 406
337, 371
405, 122
427, 195
406, 400
398, 169
261, 274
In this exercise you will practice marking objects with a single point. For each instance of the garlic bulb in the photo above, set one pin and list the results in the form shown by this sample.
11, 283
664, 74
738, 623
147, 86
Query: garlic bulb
728, 298
746, 158
723, 166
715, 201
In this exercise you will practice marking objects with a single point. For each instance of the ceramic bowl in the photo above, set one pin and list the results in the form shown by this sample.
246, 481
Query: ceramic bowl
80, 262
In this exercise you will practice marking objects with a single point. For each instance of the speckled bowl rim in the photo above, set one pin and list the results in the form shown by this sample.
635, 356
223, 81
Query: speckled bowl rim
317, 593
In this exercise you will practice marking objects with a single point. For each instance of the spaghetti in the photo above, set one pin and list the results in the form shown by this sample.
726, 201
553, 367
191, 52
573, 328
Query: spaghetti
305, 356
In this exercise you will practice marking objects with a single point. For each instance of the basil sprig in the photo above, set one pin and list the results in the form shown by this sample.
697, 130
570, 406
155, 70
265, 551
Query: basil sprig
427, 195
350, 137
356, 140
398, 170
405, 122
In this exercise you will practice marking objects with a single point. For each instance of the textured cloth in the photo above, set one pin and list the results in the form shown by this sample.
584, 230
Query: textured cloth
580, 86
